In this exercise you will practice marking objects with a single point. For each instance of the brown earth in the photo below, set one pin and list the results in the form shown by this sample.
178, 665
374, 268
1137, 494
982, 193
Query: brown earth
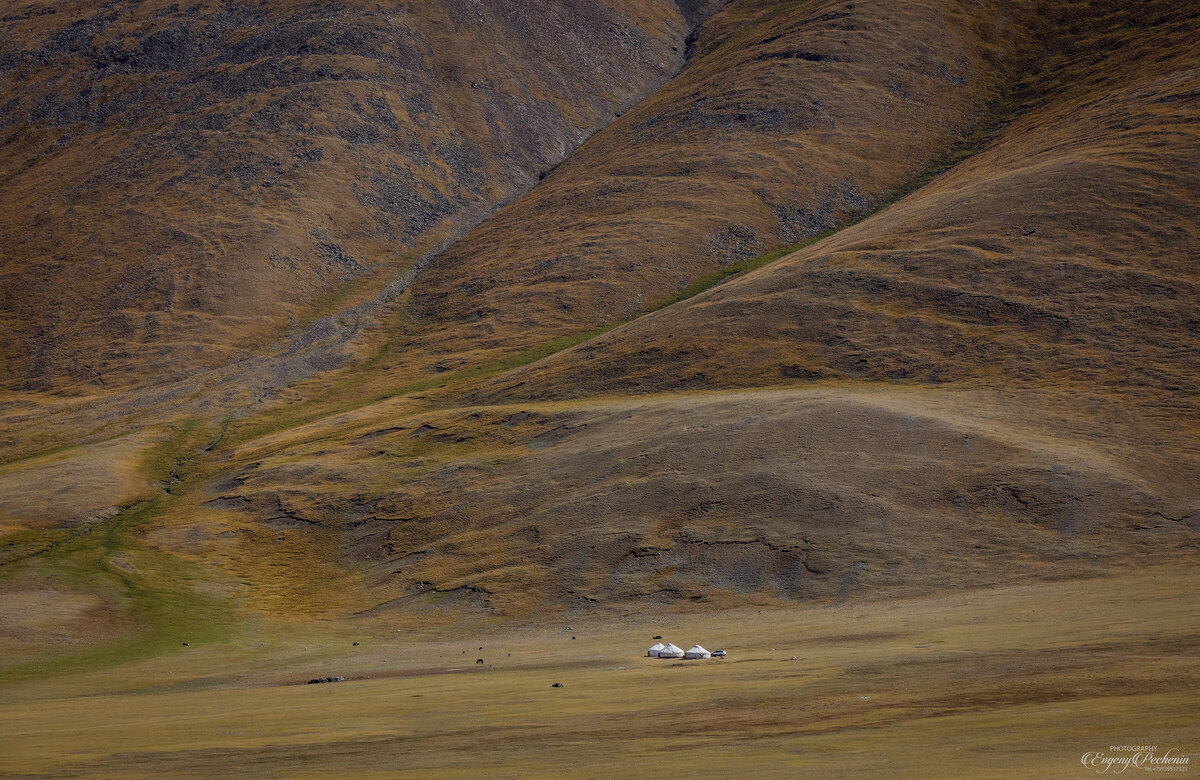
991, 380
182, 181
1048, 276
1062, 255
744, 151
700, 499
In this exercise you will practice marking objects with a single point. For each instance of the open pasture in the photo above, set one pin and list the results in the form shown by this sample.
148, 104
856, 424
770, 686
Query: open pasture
1007, 682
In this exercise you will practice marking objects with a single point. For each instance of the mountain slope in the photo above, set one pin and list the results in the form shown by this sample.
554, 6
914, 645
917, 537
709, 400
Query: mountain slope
182, 181
1050, 274
987, 381
711, 499
1063, 254
786, 122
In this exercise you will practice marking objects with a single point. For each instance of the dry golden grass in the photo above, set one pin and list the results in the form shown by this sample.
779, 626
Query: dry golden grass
947, 451
702, 499
775, 152
747, 149
1061, 255
1005, 682
74, 486
178, 186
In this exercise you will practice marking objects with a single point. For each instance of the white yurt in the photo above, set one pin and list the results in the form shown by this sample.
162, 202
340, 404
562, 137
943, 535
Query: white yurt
671, 651
697, 651
654, 650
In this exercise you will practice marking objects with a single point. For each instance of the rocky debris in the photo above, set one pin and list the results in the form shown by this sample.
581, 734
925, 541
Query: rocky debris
319, 680
335, 259
830, 205
735, 243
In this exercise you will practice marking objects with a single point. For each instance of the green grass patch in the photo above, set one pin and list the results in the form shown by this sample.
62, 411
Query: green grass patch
740, 269
155, 594
313, 411
29, 542
153, 589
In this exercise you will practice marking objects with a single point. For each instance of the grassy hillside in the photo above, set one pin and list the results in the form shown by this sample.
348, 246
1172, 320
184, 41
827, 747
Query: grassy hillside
518, 509
868, 302
1034, 297
1060, 255
698, 179
745, 151
182, 182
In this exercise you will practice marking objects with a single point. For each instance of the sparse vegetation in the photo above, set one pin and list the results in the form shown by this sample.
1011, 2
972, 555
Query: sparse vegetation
858, 343
154, 592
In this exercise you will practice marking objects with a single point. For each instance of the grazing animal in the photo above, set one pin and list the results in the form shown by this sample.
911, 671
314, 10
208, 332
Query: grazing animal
557, 685
478, 660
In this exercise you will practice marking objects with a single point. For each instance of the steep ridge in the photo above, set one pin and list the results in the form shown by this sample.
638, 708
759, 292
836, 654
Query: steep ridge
1037, 300
774, 148
1063, 255
180, 181
788, 120
1049, 274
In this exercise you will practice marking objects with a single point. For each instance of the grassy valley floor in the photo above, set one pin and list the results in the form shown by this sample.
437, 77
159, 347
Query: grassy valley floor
1016, 681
